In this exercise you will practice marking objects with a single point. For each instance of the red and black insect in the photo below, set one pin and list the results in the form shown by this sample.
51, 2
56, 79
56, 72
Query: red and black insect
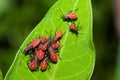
32, 45
56, 44
33, 64
39, 54
45, 45
53, 55
44, 64
58, 35
44, 50
43, 39
70, 17
73, 29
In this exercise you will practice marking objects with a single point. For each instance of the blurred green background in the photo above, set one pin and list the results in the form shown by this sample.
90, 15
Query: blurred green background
19, 17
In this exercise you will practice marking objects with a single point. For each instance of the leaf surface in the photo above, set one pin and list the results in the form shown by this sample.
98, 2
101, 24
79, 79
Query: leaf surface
1, 76
77, 53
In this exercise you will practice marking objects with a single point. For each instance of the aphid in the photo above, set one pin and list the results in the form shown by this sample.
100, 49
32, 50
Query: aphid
53, 55
58, 35
32, 45
44, 64
33, 65
39, 54
56, 44
73, 28
70, 17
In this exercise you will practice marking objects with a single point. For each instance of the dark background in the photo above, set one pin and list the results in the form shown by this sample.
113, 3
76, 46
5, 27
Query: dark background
19, 17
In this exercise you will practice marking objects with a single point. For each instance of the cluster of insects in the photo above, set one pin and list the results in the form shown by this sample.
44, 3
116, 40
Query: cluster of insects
44, 50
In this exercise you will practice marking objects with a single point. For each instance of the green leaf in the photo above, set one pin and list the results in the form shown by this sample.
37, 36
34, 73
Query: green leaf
77, 53
1, 76
117, 71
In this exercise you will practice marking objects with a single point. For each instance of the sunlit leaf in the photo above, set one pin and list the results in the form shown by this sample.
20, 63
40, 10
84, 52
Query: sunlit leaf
77, 53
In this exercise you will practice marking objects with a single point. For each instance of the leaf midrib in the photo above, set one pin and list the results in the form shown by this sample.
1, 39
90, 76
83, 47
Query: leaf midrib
53, 74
